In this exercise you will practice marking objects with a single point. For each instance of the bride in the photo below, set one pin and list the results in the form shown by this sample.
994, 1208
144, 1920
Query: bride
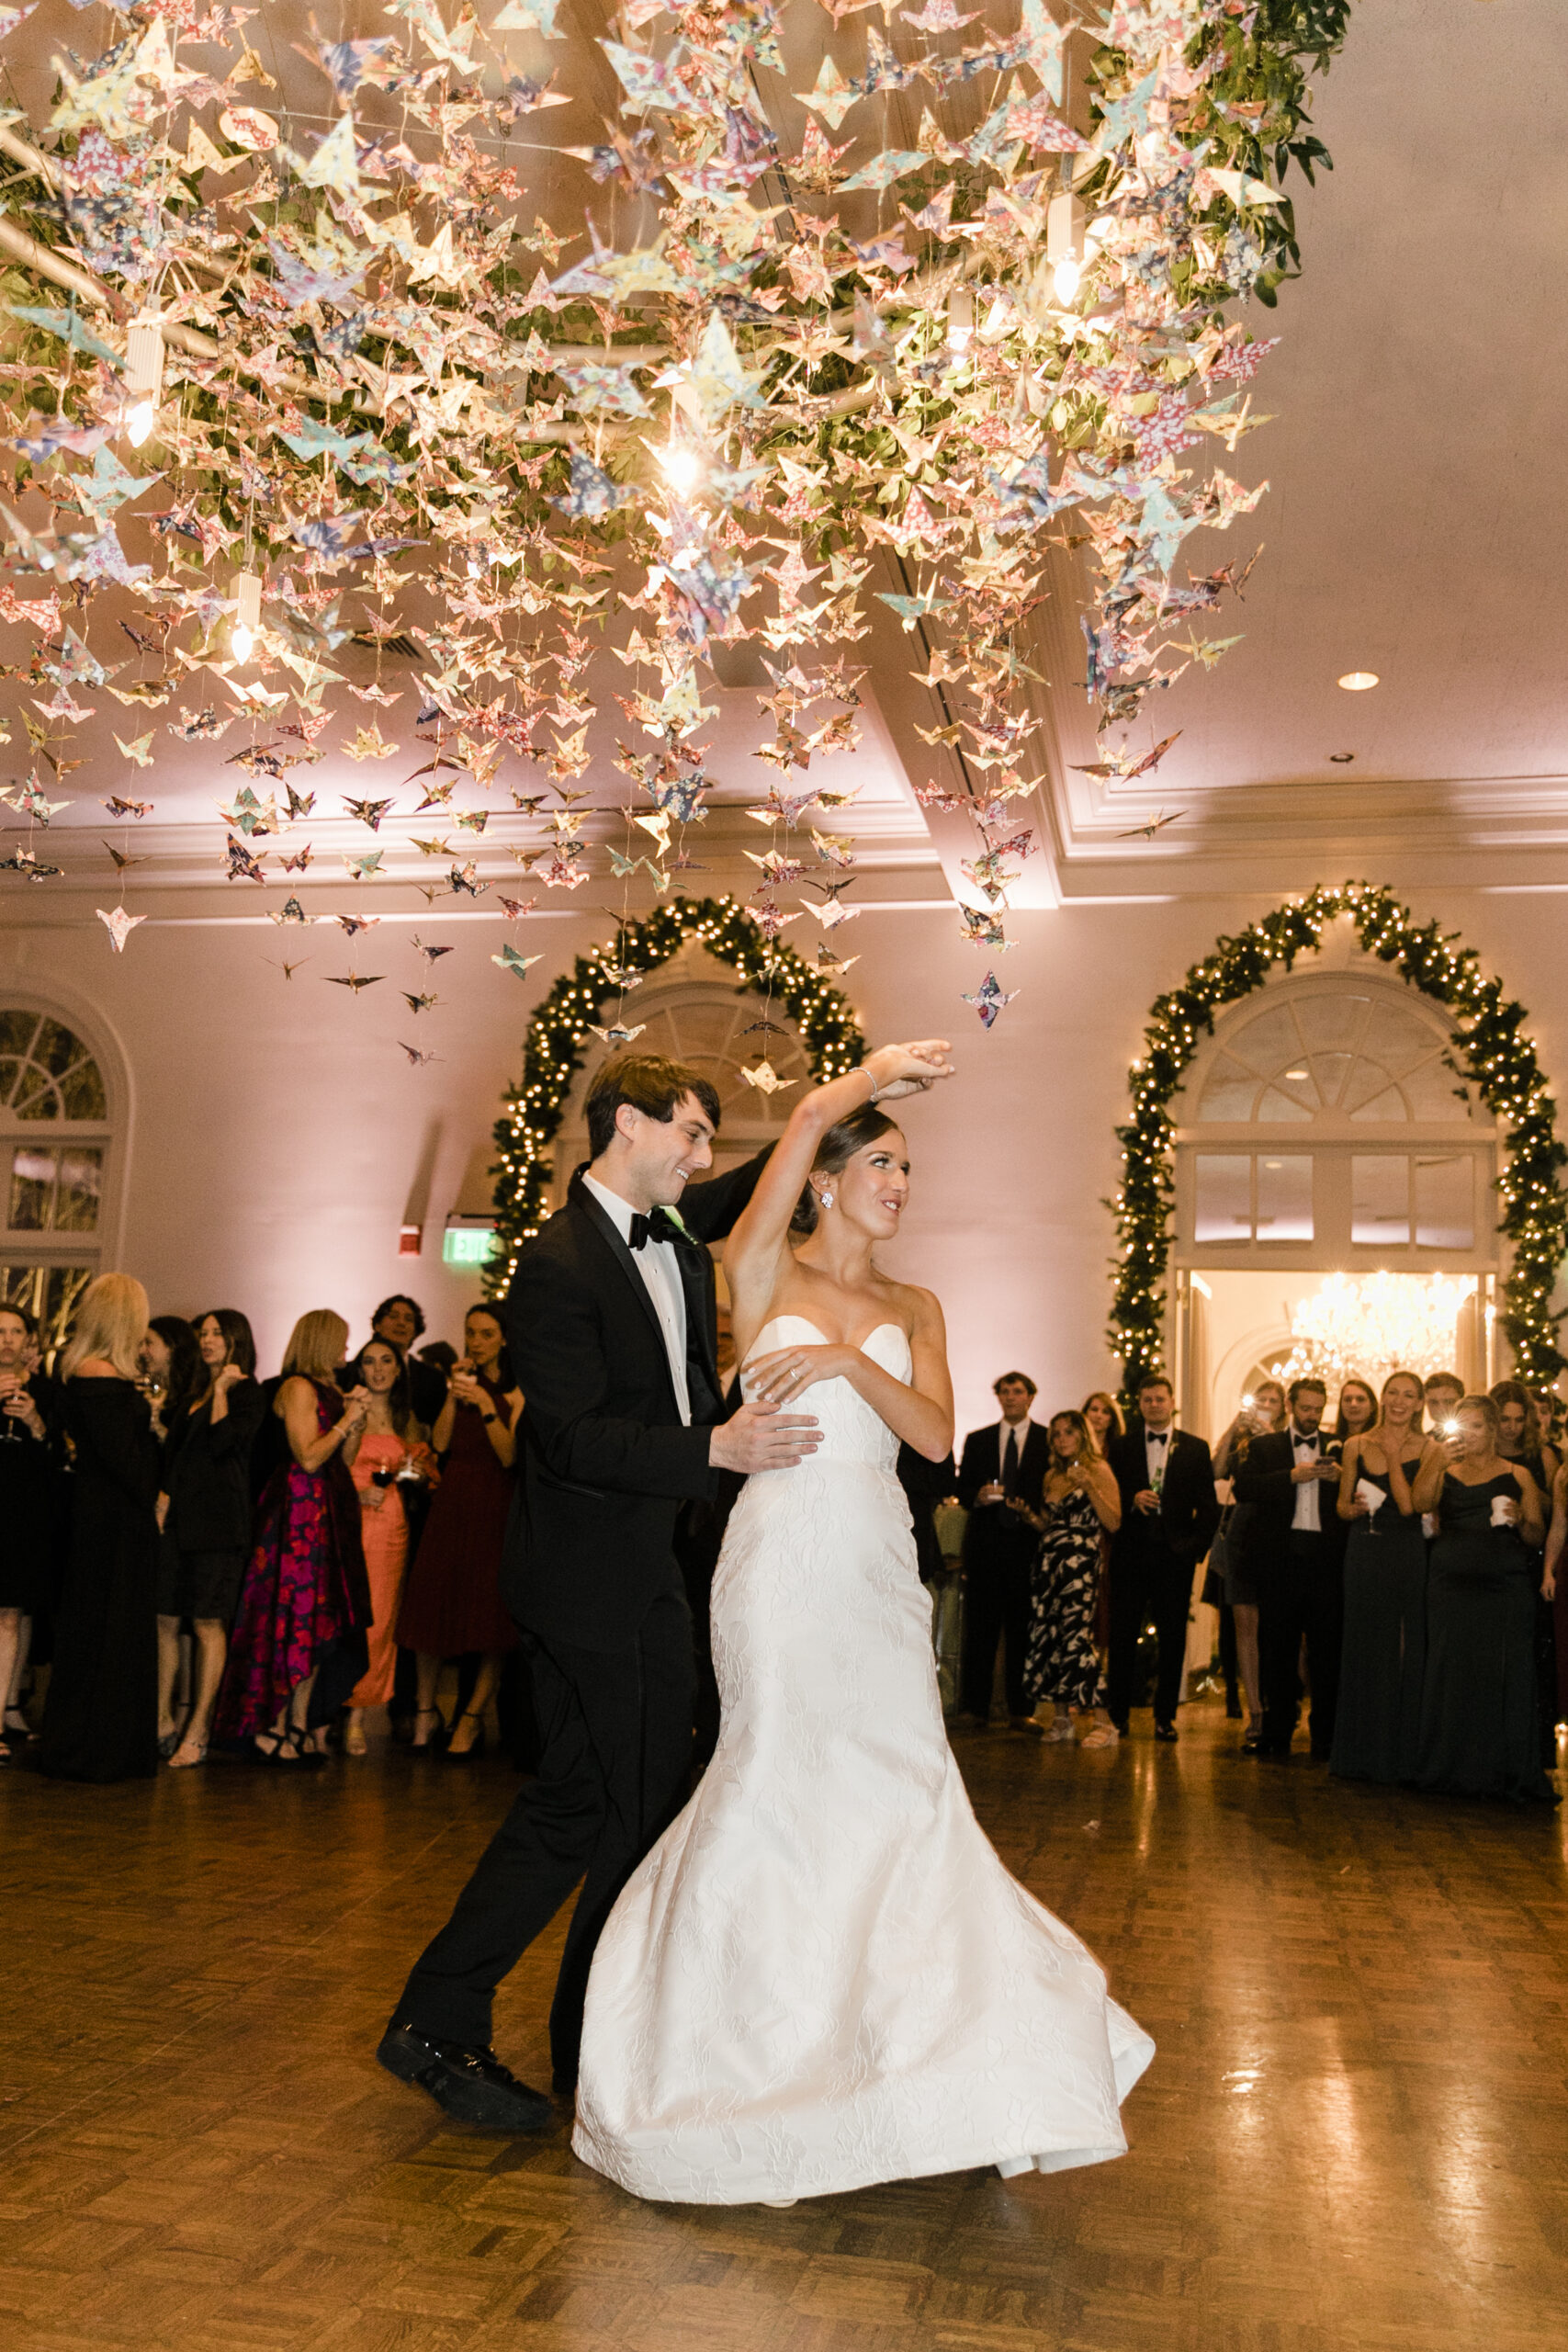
822, 1976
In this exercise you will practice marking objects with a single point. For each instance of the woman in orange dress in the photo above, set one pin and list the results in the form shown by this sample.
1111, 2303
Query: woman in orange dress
393, 1448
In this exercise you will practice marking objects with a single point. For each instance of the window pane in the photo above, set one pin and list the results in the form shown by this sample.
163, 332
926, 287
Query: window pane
56, 1048
1224, 1197
1445, 1203
1330, 1019
1386, 1108
1380, 1200
81, 1184
36, 1097
82, 1091
1432, 1091
32, 1189
1284, 1198
18, 1031
1268, 1044
1277, 1108
1230, 1092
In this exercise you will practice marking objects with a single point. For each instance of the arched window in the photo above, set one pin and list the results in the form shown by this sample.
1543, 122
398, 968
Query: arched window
1326, 1125
56, 1139
692, 1010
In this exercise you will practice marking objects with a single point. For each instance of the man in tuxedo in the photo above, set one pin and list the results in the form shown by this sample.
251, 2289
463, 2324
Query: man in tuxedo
1295, 1548
611, 1325
1004, 1462
1170, 1515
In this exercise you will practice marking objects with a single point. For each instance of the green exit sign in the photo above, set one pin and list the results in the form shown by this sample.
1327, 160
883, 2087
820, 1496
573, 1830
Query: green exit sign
467, 1245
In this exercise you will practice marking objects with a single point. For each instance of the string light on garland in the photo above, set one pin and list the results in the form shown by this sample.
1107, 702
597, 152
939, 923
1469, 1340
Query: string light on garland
1488, 1051
559, 1033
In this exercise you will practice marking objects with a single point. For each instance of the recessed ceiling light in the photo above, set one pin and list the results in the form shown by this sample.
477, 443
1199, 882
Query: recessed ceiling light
1356, 682
1273, 1163
1295, 1073
1341, 759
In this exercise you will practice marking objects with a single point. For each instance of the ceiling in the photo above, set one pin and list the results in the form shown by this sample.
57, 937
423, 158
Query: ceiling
1412, 527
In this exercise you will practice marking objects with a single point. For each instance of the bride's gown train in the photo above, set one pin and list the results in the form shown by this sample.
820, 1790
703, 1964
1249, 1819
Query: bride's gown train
822, 1975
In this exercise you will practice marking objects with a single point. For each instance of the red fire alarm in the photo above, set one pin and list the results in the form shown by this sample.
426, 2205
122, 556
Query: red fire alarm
410, 1237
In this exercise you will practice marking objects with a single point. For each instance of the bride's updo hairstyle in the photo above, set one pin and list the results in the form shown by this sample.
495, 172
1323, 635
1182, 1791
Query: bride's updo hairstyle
834, 1153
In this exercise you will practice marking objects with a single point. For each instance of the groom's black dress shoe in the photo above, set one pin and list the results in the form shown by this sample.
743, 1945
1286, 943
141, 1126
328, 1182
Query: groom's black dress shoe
1164, 1731
471, 2084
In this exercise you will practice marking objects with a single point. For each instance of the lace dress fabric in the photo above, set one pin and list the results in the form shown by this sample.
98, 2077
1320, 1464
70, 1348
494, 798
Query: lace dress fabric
822, 1976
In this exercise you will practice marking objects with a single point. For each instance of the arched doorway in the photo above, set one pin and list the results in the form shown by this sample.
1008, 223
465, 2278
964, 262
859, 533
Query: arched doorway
1323, 1129
1354, 1124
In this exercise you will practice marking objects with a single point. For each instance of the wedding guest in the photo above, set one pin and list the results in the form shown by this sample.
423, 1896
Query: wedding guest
451, 1600
299, 1644
1169, 1513
1519, 1436
1261, 1412
1547, 1410
204, 1512
399, 1320
1357, 1410
1079, 1503
1554, 1591
1479, 1734
1104, 1418
1104, 1415
1519, 1440
170, 1364
1441, 1395
1004, 1460
1293, 1548
1382, 1663
101, 1716
393, 1451
30, 1407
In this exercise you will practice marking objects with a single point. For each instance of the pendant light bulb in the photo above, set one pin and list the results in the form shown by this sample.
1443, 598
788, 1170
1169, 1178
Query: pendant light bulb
138, 423
1065, 278
682, 467
960, 320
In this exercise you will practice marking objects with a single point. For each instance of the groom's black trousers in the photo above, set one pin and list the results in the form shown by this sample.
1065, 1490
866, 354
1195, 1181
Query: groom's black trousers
615, 1736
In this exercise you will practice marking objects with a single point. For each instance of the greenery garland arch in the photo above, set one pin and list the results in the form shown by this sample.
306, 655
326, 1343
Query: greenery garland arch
559, 1032
1489, 1049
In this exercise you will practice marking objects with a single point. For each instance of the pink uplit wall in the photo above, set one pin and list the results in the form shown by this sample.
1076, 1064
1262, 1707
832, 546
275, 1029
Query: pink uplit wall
279, 1138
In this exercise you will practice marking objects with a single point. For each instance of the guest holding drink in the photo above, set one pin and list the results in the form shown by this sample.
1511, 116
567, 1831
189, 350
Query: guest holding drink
170, 1364
205, 1517
392, 1452
1377, 1732
1479, 1734
452, 1605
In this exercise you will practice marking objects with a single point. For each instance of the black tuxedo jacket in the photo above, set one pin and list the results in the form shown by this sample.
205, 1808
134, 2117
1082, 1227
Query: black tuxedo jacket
995, 1536
606, 1461
1263, 1482
1189, 1507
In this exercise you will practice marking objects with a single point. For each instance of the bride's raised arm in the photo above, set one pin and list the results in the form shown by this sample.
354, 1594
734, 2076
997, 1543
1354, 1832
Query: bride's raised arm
758, 1250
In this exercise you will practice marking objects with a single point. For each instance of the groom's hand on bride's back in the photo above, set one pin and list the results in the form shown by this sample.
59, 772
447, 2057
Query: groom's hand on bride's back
758, 1437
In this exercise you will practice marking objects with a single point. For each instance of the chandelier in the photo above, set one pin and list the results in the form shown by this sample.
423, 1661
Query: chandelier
1370, 1325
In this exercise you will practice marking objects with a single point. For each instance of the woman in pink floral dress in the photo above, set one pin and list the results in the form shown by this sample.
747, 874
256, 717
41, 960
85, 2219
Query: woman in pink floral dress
299, 1644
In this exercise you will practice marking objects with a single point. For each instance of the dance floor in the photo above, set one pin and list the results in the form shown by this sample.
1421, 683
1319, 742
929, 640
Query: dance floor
1355, 2132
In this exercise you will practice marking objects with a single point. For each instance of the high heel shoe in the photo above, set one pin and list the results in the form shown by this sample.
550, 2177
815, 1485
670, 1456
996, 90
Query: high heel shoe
433, 1746
462, 1754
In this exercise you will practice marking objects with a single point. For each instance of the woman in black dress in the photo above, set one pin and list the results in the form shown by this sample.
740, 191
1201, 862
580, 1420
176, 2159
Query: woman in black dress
1479, 1733
1383, 1671
205, 1510
101, 1719
1236, 1591
29, 1503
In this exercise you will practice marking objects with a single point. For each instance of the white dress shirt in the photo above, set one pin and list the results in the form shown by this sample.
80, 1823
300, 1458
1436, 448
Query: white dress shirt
1157, 1453
1308, 1520
656, 1262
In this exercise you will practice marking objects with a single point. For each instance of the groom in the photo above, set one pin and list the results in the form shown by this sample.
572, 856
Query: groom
612, 1328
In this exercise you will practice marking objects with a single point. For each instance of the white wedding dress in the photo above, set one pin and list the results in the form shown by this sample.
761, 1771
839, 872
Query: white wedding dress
822, 1976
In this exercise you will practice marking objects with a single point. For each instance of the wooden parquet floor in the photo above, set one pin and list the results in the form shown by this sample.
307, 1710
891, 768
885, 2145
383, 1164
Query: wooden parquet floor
1354, 2135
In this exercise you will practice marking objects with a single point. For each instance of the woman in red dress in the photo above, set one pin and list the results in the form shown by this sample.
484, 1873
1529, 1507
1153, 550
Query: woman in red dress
298, 1644
451, 1600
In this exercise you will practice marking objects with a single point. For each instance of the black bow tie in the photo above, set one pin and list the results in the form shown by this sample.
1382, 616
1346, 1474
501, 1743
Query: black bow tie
657, 1226
1157, 1437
